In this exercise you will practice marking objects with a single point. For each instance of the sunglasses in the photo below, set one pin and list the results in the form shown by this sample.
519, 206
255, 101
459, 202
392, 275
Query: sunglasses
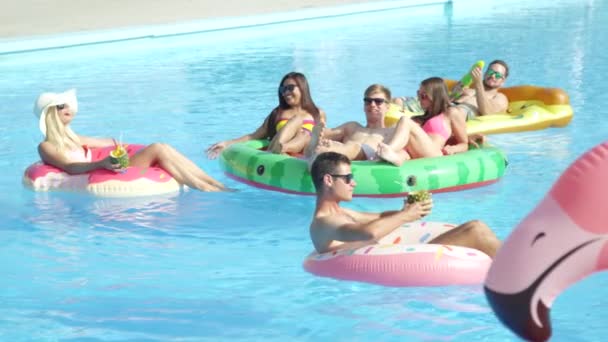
422, 95
496, 74
60, 107
287, 88
348, 178
378, 101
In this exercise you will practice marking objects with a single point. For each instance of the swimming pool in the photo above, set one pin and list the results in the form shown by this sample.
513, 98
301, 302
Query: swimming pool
203, 266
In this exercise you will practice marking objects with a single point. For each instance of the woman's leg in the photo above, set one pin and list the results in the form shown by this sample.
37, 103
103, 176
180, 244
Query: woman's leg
298, 143
319, 144
395, 150
352, 150
410, 137
396, 158
181, 168
285, 135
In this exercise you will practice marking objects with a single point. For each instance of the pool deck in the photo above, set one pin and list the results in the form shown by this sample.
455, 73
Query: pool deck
29, 25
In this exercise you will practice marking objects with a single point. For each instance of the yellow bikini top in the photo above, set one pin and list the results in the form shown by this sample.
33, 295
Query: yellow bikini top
306, 124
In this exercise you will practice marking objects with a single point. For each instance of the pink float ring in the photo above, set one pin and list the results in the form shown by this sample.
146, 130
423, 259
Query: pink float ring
134, 181
403, 258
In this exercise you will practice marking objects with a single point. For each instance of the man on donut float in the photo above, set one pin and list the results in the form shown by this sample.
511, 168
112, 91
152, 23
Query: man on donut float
333, 227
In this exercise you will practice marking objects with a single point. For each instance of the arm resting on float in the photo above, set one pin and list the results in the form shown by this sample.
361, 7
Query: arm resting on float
373, 226
50, 155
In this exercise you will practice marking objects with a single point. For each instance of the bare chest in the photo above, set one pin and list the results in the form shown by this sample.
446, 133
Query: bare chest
367, 135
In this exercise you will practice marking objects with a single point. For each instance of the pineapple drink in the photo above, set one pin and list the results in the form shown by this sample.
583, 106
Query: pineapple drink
119, 156
418, 196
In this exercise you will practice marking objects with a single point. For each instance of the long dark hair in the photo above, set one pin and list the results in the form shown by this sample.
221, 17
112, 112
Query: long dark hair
306, 102
438, 92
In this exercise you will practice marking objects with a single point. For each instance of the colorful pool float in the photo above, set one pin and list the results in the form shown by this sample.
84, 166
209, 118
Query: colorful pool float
404, 258
563, 240
248, 163
530, 108
133, 181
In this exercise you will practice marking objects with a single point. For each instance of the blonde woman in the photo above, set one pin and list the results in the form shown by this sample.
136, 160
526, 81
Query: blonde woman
64, 149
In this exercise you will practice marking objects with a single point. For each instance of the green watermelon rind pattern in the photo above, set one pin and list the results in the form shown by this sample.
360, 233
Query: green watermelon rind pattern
246, 161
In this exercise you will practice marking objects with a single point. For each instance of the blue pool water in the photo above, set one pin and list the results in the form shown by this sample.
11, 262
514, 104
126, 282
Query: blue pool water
219, 266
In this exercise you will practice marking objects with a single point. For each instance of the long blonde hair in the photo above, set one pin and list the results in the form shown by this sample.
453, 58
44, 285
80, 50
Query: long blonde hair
59, 134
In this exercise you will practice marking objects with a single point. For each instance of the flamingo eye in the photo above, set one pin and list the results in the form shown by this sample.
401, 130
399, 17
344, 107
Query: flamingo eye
537, 237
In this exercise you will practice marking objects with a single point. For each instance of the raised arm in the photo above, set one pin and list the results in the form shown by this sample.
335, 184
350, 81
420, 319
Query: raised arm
322, 116
50, 155
459, 132
486, 105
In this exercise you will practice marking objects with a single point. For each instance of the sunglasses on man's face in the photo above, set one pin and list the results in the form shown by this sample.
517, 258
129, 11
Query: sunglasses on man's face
287, 88
348, 178
60, 106
496, 74
378, 101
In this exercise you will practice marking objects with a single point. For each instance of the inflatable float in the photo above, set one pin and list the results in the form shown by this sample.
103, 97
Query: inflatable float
247, 162
564, 239
133, 181
530, 108
404, 258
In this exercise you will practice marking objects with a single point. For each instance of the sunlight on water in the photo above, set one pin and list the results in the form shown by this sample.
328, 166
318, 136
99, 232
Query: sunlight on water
198, 266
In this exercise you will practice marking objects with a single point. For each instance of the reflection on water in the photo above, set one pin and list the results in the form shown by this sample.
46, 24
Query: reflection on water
71, 208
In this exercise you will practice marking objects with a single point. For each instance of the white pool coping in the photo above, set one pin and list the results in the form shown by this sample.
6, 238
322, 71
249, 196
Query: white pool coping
28, 44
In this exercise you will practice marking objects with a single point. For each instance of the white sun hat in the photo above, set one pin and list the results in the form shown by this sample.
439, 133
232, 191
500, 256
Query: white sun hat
46, 100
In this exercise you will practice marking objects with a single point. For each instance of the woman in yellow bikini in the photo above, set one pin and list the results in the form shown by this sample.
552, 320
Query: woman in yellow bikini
289, 125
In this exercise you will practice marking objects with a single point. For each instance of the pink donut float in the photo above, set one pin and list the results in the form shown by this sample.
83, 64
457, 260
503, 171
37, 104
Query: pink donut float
564, 239
403, 258
134, 181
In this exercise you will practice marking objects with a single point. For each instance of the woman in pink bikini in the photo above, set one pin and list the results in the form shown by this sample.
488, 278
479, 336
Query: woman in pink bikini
425, 135
65, 150
289, 125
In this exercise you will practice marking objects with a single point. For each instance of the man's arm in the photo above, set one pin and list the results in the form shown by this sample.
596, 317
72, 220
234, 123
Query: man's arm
486, 105
459, 132
368, 226
340, 132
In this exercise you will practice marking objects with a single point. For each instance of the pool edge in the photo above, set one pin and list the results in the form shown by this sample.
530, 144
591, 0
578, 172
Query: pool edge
64, 40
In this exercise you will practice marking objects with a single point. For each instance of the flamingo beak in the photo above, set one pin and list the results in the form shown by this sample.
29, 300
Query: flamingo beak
514, 311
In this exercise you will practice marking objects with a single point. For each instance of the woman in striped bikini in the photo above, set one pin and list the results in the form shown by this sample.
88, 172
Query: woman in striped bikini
289, 125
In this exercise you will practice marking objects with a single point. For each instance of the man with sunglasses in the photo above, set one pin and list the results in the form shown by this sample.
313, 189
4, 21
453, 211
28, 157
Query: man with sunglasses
483, 98
333, 227
352, 139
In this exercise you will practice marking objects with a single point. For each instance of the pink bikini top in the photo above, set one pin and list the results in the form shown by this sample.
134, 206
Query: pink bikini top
436, 125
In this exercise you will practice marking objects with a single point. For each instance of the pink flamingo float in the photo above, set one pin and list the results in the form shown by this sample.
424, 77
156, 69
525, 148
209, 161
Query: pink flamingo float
564, 239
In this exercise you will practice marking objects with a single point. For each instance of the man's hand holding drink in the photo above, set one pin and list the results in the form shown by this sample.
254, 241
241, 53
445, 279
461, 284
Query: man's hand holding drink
418, 196
419, 204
